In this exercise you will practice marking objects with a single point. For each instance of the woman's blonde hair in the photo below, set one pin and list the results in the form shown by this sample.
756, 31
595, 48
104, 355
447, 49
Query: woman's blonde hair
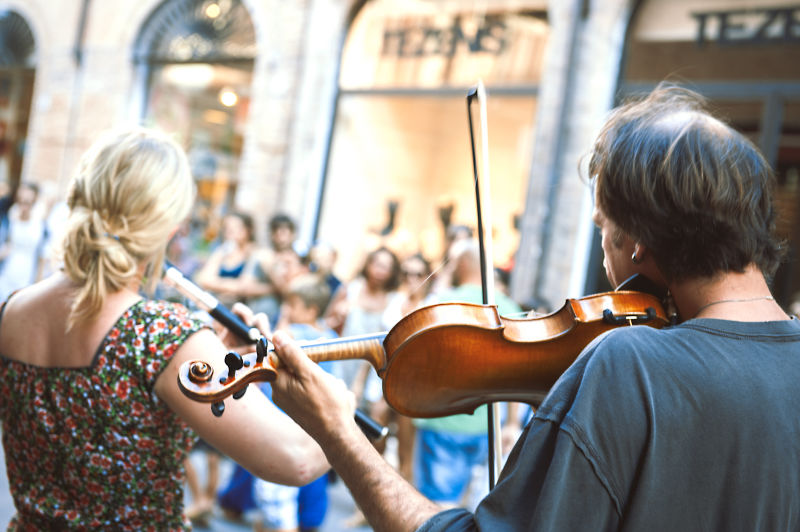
132, 188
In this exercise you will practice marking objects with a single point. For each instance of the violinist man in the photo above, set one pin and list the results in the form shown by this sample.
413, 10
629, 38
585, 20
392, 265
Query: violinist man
691, 427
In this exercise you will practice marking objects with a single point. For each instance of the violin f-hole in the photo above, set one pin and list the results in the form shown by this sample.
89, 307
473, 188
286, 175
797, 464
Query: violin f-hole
611, 319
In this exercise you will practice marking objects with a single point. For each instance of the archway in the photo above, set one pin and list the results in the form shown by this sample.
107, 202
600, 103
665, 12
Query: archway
17, 74
196, 58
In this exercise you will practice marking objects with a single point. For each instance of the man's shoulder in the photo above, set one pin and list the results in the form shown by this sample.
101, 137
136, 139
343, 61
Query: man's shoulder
603, 368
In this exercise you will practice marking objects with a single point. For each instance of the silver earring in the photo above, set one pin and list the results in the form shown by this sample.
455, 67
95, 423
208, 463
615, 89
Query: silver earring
634, 258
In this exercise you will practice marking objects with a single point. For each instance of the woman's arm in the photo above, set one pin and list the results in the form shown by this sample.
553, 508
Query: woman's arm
250, 283
207, 277
252, 431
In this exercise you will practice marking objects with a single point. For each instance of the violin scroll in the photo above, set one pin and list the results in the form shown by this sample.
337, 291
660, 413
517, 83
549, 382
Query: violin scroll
196, 377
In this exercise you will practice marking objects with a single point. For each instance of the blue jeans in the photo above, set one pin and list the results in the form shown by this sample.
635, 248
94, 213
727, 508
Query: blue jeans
444, 462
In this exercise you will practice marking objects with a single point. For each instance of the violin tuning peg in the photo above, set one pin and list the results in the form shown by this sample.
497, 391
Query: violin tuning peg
218, 408
238, 394
262, 348
234, 362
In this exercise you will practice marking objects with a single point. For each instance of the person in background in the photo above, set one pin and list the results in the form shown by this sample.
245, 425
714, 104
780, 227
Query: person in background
415, 288
450, 450
221, 273
6, 201
359, 308
55, 218
21, 255
414, 292
236, 497
321, 261
279, 507
282, 232
267, 277
181, 251
286, 508
443, 280
692, 427
95, 427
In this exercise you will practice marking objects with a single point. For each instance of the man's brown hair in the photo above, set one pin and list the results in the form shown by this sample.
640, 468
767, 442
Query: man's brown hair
693, 190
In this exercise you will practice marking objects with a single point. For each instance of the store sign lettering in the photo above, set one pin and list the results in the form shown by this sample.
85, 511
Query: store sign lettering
779, 24
424, 40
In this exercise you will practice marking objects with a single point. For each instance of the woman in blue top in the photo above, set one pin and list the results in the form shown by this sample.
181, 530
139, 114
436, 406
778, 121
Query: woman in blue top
222, 272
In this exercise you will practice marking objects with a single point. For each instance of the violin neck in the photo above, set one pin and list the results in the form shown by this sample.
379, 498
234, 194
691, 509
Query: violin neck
367, 347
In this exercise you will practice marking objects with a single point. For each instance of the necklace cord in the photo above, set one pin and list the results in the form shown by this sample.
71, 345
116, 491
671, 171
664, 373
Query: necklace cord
743, 300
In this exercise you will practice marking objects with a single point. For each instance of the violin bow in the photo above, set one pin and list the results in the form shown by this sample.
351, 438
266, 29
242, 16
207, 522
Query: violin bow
250, 335
485, 248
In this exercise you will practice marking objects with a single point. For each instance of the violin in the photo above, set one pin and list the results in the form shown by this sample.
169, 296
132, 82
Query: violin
222, 314
450, 358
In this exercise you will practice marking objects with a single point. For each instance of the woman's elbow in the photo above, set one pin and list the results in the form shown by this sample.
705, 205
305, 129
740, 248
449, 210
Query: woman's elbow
309, 464
298, 465
308, 475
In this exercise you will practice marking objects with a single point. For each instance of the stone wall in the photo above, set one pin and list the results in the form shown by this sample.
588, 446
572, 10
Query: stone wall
292, 107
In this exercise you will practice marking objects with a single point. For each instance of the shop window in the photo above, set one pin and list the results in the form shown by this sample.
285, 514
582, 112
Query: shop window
744, 60
17, 73
400, 167
198, 60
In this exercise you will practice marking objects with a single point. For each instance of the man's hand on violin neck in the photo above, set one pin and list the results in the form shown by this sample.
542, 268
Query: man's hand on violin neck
316, 400
323, 406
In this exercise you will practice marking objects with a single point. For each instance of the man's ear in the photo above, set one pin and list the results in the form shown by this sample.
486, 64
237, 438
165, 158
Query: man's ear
639, 253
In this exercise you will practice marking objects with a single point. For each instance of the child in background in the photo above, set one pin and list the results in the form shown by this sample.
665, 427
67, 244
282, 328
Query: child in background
285, 508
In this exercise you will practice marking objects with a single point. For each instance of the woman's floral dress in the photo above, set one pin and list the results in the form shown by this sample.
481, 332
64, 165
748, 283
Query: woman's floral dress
93, 447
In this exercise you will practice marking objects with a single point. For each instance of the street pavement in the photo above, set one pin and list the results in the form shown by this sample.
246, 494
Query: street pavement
340, 506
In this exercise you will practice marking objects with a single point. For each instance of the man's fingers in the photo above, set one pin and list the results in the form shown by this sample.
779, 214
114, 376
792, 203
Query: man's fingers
261, 322
243, 311
290, 355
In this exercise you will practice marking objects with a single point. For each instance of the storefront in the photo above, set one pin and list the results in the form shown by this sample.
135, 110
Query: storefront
744, 56
399, 168
195, 59
350, 115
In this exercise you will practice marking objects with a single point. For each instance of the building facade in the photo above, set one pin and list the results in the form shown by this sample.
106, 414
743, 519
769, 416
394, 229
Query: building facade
351, 115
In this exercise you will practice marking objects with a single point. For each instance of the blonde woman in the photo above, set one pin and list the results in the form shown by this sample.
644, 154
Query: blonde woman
94, 426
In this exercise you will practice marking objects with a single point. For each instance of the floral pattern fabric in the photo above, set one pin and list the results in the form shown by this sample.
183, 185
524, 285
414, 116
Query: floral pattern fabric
93, 447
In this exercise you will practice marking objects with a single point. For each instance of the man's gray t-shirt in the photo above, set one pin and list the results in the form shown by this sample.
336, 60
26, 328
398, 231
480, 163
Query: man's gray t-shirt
693, 427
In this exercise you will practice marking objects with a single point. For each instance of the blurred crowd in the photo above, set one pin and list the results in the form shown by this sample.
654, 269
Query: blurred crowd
298, 289
29, 229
